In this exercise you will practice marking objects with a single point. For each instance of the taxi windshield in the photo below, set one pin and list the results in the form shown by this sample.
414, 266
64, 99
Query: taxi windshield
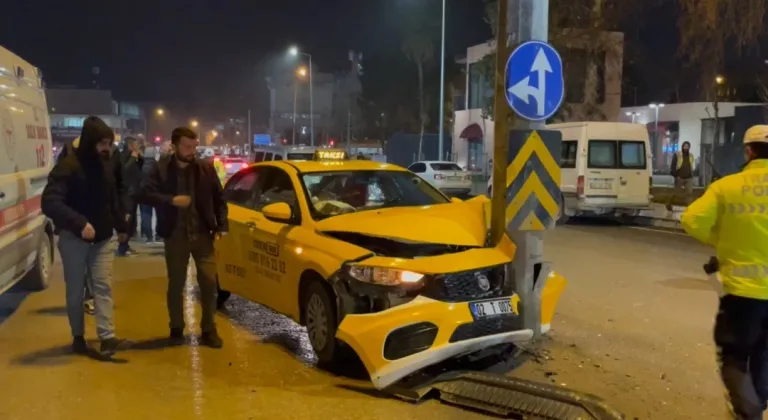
342, 192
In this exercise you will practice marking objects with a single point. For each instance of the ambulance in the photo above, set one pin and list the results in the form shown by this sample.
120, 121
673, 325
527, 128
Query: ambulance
26, 235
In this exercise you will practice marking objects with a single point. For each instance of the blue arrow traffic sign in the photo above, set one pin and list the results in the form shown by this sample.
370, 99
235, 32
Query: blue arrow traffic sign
534, 81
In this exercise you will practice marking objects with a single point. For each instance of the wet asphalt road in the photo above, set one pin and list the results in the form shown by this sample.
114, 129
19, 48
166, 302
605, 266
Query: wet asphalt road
634, 326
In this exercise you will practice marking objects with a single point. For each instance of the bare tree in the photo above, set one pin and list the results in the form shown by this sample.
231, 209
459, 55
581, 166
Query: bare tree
420, 50
709, 27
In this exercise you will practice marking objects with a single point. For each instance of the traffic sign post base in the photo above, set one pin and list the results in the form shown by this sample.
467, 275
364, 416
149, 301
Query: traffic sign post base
533, 200
529, 272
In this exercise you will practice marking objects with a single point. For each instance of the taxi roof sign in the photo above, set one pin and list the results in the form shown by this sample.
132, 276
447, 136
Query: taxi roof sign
331, 154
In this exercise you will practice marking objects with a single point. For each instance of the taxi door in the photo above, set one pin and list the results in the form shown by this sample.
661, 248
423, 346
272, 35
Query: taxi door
232, 257
274, 253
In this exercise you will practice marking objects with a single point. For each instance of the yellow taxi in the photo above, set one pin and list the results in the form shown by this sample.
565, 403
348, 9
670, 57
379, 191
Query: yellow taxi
368, 256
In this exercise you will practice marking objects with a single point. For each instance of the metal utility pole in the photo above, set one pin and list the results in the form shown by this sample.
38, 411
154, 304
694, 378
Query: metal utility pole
311, 105
532, 24
442, 90
500, 131
250, 134
349, 128
295, 93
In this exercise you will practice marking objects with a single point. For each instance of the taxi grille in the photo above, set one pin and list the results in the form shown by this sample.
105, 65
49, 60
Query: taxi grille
486, 327
465, 286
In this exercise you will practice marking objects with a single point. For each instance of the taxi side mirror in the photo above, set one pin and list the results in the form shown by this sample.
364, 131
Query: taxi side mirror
278, 212
456, 200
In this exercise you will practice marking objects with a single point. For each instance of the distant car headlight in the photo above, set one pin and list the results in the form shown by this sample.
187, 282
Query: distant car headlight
383, 276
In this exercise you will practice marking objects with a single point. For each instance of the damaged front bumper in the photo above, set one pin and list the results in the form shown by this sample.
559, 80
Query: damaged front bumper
402, 340
397, 331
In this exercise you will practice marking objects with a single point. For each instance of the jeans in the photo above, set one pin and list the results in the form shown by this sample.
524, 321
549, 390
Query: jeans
146, 221
684, 187
79, 258
178, 249
741, 337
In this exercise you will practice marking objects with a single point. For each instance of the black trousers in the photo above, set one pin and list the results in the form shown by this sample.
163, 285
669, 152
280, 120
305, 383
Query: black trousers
741, 337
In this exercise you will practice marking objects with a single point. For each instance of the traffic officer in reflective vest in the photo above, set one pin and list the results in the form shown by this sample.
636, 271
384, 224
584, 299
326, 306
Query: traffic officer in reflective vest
732, 216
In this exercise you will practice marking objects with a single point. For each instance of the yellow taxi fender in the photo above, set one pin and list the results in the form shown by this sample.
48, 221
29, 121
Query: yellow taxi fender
367, 334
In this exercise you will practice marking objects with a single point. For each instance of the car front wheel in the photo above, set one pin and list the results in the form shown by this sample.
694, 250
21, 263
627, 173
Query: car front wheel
320, 320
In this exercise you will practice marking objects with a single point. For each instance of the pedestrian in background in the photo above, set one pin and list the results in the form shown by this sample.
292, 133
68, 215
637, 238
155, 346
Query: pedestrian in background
730, 216
132, 163
191, 215
147, 211
682, 170
82, 199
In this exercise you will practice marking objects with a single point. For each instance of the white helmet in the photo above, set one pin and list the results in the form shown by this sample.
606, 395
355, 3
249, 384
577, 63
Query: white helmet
756, 134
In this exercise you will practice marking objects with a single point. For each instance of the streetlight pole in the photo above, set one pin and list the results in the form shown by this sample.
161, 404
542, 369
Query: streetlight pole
656, 108
442, 89
295, 51
295, 95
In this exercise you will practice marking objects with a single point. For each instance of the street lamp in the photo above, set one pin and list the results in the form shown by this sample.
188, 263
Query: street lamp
300, 72
160, 112
294, 51
633, 115
656, 107
719, 80
194, 123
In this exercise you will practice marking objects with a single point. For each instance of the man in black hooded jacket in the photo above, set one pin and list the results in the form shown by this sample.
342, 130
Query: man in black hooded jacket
83, 201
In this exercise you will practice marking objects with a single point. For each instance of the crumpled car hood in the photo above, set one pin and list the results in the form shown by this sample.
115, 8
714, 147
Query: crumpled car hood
460, 224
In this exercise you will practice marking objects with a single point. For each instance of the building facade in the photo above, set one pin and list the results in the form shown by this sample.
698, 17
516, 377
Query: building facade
670, 125
592, 92
69, 107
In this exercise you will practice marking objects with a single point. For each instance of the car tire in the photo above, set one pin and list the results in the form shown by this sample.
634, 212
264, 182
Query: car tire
39, 276
221, 297
319, 314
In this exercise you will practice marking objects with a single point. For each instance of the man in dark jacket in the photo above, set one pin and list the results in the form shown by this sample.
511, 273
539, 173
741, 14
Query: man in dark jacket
682, 170
83, 201
133, 161
191, 215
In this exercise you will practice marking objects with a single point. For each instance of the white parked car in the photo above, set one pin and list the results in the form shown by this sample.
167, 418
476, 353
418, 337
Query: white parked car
448, 177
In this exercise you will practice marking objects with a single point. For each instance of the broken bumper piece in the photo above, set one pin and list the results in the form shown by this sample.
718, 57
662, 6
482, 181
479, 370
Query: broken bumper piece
402, 340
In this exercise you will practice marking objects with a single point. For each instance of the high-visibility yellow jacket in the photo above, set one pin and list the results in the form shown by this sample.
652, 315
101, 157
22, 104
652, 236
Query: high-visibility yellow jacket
680, 159
732, 216
220, 171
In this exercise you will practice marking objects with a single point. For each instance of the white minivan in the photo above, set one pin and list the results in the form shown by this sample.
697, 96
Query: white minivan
26, 235
605, 168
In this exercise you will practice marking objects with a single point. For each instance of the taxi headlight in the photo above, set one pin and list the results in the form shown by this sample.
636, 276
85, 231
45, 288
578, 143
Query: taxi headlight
383, 276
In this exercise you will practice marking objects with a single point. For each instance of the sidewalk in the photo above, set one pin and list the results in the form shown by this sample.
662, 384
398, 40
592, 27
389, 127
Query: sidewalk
660, 217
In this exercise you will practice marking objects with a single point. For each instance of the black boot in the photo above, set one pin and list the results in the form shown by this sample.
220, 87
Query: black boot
79, 346
212, 340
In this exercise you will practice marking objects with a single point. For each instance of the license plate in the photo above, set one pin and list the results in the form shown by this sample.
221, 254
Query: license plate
454, 178
489, 308
600, 185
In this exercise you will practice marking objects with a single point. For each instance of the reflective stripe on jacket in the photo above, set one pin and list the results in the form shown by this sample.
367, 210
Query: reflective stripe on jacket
732, 216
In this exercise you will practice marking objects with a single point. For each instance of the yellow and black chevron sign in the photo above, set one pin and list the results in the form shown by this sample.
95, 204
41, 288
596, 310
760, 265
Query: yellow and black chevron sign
533, 179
